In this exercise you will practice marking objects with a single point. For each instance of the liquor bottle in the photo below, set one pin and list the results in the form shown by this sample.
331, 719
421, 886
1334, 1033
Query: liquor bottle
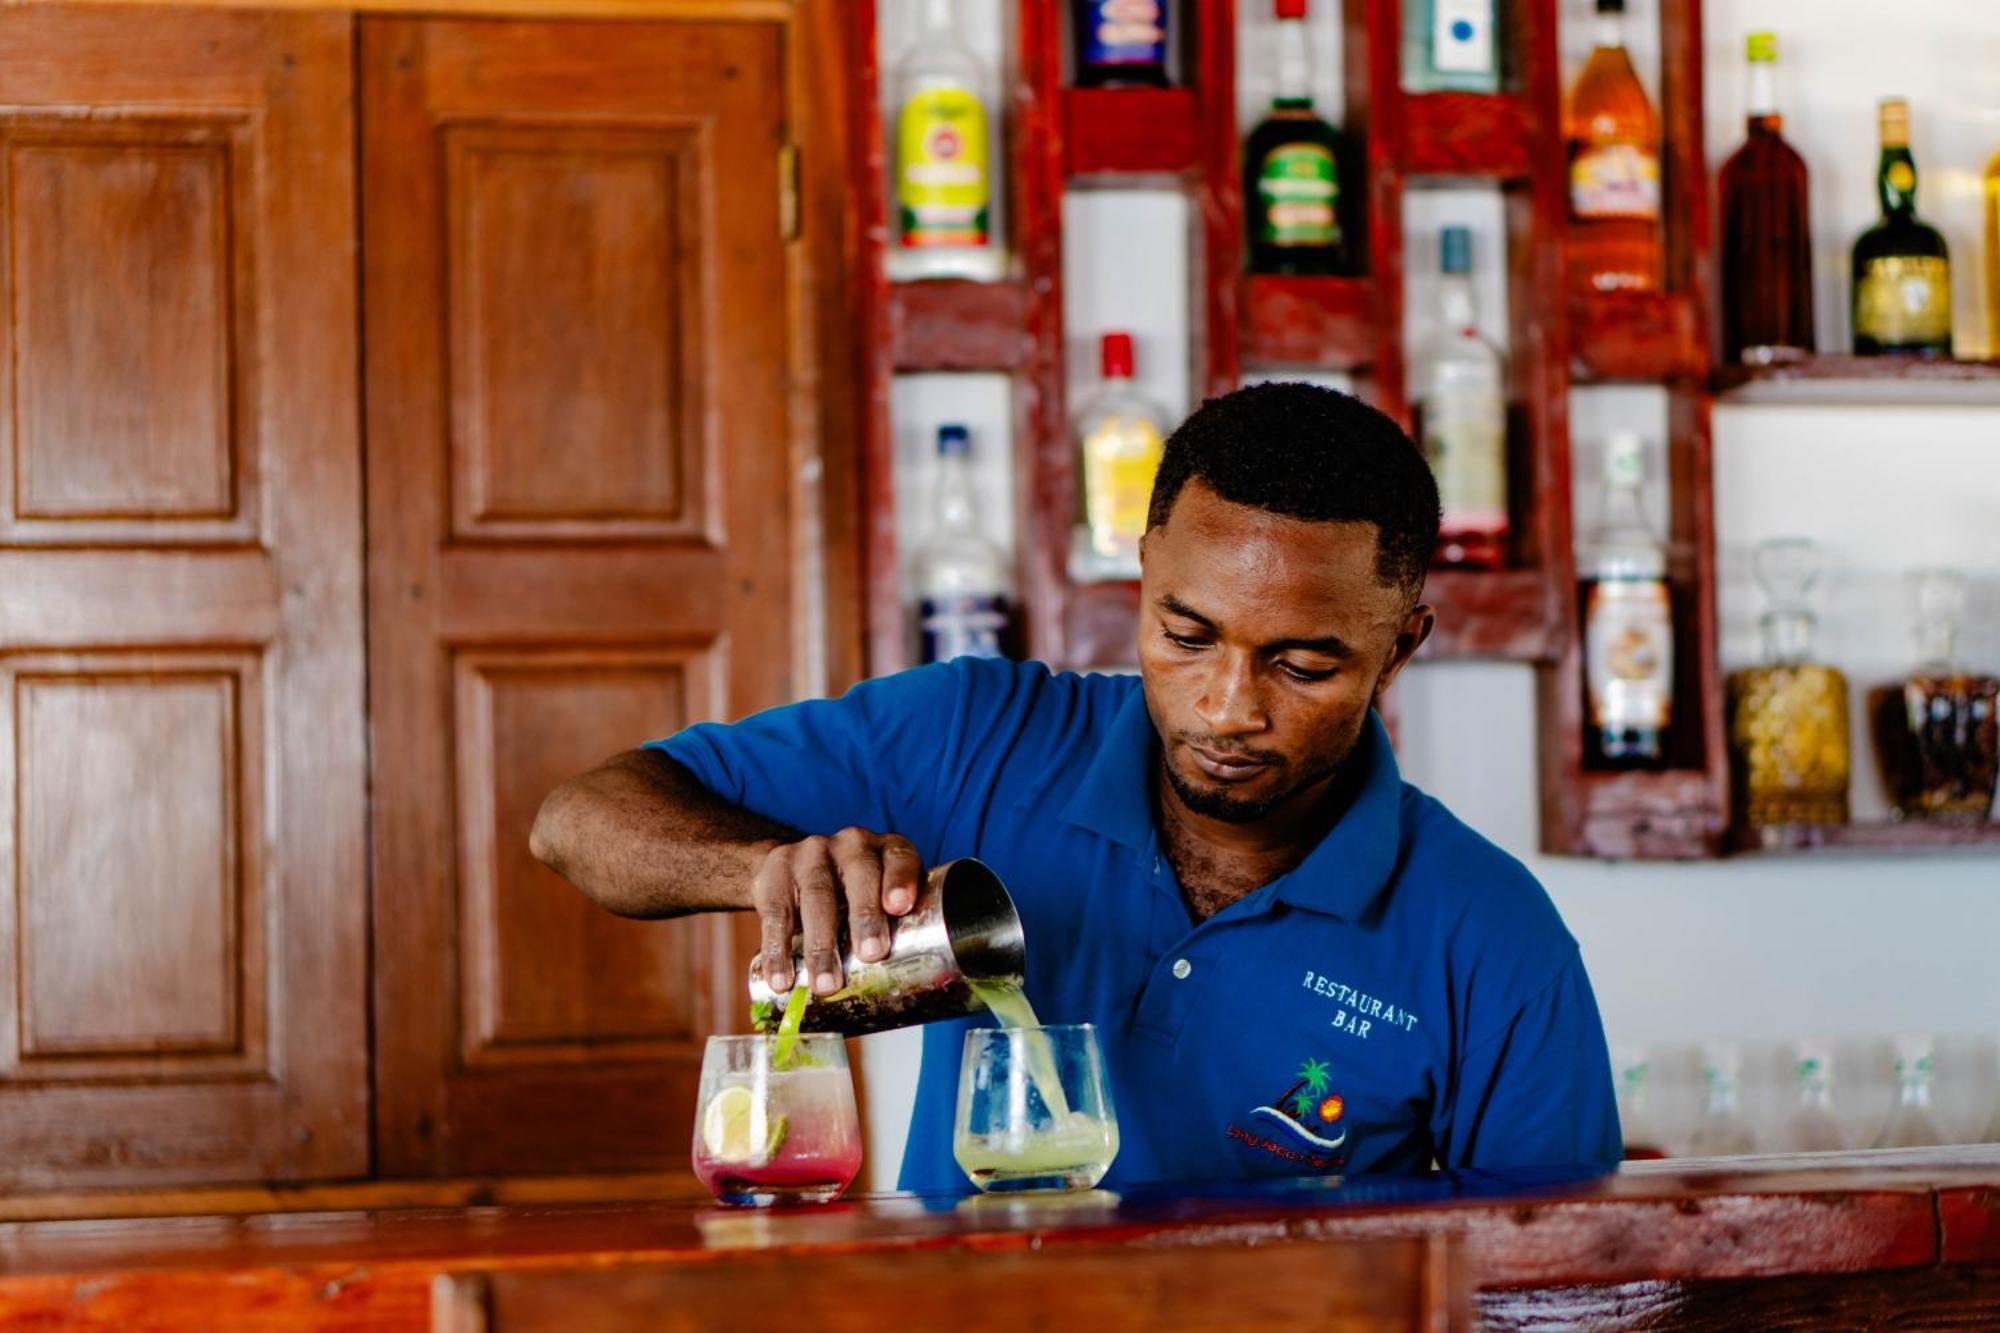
1723, 1130
1902, 267
1812, 1126
1120, 434
1767, 294
1628, 625
1451, 45
1120, 42
1462, 419
1643, 1140
943, 215
1913, 1124
963, 608
1299, 188
1788, 718
1614, 169
1992, 191
1937, 734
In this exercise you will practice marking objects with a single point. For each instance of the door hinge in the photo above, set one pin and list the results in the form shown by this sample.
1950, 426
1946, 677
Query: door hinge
788, 191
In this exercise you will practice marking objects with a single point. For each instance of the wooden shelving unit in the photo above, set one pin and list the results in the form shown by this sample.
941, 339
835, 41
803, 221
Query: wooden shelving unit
1863, 839
1062, 138
1872, 369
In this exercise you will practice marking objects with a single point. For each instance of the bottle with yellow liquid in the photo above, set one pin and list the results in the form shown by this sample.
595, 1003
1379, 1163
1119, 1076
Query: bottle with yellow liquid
943, 219
1992, 274
1120, 434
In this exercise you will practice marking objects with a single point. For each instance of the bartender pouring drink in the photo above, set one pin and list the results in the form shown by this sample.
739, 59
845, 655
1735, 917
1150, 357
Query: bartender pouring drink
1297, 962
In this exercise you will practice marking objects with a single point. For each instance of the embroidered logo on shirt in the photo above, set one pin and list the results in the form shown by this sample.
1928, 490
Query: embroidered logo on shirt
1360, 1013
1305, 1121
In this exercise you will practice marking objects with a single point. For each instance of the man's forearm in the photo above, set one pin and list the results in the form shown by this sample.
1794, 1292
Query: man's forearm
642, 838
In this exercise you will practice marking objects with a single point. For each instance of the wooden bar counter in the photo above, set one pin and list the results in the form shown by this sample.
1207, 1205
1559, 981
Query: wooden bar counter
1848, 1241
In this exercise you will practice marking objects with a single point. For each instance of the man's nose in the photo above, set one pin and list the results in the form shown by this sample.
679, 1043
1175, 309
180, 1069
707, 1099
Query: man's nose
1231, 703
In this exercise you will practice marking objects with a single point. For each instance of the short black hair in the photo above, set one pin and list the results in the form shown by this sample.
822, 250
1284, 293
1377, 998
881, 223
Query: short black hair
1312, 453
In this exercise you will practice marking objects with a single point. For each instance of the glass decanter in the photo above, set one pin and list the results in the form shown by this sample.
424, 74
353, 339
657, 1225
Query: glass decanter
1913, 1124
1788, 718
1937, 734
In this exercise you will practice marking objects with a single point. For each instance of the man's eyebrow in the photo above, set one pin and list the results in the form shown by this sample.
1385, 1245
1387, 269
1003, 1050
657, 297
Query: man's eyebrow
1331, 645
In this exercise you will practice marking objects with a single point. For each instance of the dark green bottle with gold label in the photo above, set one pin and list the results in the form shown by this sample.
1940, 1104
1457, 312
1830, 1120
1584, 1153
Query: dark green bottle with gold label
1300, 191
1902, 268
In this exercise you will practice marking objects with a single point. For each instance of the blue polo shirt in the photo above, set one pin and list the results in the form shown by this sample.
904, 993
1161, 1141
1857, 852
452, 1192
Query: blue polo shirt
1407, 995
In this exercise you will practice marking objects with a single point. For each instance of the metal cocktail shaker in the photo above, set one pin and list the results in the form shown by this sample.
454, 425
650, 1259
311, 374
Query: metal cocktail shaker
962, 929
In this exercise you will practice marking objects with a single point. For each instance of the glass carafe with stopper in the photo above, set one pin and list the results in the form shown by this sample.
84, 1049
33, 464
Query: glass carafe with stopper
1937, 734
1811, 1126
1723, 1130
1913, 1124
1788, 718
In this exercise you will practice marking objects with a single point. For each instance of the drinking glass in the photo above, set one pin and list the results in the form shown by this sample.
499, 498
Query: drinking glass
1034, 1109
774, 1121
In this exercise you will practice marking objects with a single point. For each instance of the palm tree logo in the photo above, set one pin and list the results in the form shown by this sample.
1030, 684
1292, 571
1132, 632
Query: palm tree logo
1308, 1109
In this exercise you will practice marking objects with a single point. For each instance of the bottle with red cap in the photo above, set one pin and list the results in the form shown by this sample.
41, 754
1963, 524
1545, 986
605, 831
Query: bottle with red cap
1120, 433
1300, 186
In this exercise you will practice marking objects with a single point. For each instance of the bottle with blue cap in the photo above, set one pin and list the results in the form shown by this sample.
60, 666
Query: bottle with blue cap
964, 602
1451, 45
1461, 403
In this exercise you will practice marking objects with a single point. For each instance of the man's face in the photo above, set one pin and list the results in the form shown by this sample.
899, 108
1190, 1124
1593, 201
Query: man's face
1263, 640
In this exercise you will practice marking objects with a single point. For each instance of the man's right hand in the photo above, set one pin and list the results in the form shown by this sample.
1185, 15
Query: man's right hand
801, 888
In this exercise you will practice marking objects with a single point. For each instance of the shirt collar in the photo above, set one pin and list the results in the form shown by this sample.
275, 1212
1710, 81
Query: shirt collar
1342, 876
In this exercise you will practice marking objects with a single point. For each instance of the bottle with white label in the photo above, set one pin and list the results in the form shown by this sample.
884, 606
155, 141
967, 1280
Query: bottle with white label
1451, 45
1628, 623
1462, 419
964, 602
943, 221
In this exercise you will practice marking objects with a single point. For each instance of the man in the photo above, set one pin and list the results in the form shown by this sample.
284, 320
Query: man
1297, 962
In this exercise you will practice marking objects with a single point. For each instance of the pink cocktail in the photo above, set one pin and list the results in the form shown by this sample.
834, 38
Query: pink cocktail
776, 1123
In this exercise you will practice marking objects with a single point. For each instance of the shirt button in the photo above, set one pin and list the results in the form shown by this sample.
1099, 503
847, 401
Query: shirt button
1181, 969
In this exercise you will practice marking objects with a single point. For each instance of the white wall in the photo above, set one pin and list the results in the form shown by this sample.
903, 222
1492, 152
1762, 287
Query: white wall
1763, 950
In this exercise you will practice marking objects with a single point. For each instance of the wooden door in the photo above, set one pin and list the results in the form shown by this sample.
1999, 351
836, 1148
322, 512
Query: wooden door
579, 538
183, 888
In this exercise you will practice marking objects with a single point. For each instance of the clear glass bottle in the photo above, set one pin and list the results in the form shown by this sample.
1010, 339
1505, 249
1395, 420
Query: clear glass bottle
1120, 433
1902, 266
1788, 721
1937, 734
1451, 45
1301, 185
1636, 1122
1628, 624
943, 219
1767, 289
1812, 1126
1913, 1124
1462, 419
1723, 1130
964, 602
1613, 134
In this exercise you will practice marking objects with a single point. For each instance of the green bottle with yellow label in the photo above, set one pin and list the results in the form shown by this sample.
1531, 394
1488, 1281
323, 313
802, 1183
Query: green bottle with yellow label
942, 218
1902, 267
1300, 192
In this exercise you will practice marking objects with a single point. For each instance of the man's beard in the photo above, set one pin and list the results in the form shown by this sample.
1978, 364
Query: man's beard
1220, 804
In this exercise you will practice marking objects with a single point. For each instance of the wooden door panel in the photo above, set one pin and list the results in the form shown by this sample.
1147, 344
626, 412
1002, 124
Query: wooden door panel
575, 295
182, 765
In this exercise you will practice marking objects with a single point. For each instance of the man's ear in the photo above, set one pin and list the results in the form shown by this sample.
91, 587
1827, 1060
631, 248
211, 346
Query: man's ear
1417, 626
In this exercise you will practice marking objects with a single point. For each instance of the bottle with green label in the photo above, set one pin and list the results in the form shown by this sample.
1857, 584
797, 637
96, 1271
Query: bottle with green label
943, 219
1300, 191
1902, 268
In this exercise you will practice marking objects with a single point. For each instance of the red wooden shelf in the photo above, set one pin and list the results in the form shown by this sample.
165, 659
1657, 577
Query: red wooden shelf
956, 325
1898, 836
1827, 369
1504, 614
1100, 625
1636, 337
1322, 323
1673, 815
1466, 134
1114, 132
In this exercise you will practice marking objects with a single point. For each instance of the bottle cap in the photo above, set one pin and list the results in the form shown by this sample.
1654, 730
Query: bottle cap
954, 441
1116, 356
1289, 9
1895, 122
1457, 250
1611, 6
1763, 48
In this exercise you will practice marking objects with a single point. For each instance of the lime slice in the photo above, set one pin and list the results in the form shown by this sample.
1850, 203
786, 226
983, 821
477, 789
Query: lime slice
729, 1129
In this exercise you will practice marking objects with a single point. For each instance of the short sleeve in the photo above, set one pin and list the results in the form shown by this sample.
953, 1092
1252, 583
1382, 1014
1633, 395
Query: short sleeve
1538, 1091
869, 759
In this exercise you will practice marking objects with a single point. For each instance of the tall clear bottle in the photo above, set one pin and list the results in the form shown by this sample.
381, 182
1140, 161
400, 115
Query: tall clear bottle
1628, 624
1767, 293
1723, 1130
1616, 243
1811, 1126
1462, 419
1451, 45
1788, 721
1937, 734
1913, 1124
1120, 435
943, 219
964, 601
